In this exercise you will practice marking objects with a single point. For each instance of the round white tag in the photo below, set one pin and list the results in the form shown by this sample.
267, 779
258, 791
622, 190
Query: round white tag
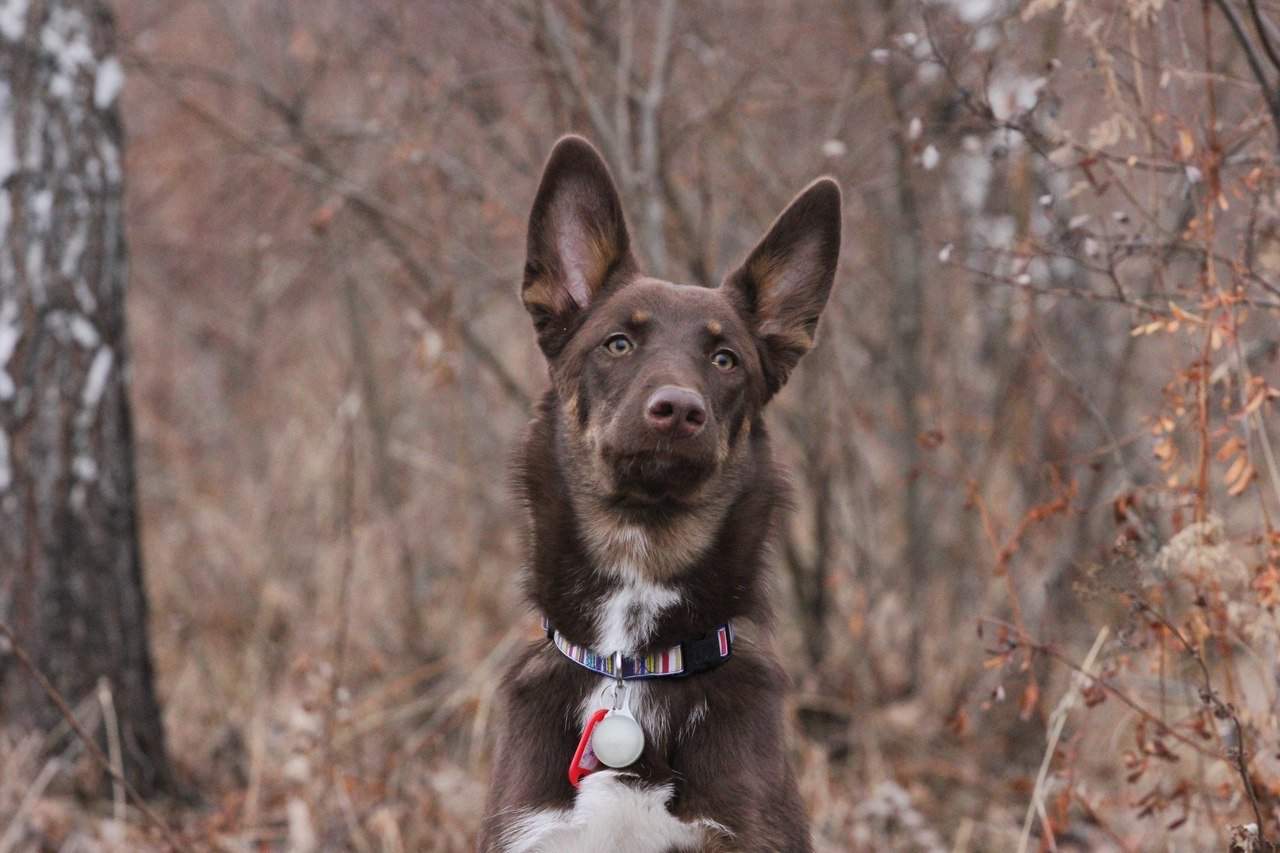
617, 740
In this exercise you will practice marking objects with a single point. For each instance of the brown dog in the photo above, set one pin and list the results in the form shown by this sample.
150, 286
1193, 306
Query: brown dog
651, 492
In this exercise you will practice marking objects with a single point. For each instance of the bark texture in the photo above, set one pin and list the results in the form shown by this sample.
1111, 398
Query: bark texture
70, 565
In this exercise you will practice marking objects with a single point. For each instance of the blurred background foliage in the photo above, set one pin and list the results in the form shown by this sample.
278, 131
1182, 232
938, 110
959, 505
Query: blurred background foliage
1035, 435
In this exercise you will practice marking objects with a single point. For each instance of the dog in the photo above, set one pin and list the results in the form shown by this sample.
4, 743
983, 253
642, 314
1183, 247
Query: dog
651, 493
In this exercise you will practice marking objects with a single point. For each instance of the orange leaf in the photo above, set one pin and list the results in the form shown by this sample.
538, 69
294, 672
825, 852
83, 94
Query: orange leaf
1183, 314
1186, 145
1230, 449
1242, 483
1237, 468
1030, 698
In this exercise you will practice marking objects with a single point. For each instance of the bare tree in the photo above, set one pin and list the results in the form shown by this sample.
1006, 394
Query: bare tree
70, 561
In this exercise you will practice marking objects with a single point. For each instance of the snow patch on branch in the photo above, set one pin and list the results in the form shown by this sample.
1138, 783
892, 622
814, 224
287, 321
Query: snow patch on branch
10, 331
84, 296
1012, 95
6, 216
83, 466
74, 249
39, 223
13, 18
83, 331
110, 156
42, 211
8, 143
108, 83
65, 38
85, 469
96, 382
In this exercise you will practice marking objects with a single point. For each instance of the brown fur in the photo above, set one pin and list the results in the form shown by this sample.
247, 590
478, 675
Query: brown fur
613, 502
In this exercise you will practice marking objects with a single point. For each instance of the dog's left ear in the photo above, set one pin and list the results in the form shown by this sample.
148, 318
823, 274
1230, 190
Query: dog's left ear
577, 240
784, 283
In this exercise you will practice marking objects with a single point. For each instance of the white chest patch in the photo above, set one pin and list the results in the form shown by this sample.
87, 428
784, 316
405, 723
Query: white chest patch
630, 613
607, 815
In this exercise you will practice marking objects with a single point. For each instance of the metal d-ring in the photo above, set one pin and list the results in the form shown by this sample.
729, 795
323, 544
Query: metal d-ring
619, 684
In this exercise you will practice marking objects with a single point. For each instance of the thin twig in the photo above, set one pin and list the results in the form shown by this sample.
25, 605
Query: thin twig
1263, 27
1255, 62
1025, 640
1220, 709
111, 725
557, 32
622, 102
650, 144
347, 491
101, 760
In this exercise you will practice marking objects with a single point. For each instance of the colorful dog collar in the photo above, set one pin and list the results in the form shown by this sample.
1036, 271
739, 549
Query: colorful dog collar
681, 660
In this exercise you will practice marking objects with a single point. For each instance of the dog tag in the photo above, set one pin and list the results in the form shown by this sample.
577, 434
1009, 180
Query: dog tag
584, 758
618, 739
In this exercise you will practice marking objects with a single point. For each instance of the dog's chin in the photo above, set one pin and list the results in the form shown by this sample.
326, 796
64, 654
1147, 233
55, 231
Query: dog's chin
652, 485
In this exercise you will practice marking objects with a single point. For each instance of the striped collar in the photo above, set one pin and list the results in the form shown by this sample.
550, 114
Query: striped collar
683, 659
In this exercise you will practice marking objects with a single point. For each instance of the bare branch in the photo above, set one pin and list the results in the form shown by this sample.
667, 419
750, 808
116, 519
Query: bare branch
375, 211
622, 104
555, 28
655, 242
1265, 34
1255, 62
1220, 709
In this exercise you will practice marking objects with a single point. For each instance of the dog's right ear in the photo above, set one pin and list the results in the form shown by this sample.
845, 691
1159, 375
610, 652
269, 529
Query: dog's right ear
577, 240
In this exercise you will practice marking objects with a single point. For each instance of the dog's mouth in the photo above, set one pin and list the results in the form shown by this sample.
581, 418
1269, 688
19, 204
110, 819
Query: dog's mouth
656, 479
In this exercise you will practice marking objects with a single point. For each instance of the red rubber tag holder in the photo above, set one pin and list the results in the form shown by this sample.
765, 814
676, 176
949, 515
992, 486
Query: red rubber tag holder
584, 760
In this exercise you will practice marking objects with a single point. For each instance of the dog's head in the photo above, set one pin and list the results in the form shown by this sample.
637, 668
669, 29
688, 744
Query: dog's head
659, 384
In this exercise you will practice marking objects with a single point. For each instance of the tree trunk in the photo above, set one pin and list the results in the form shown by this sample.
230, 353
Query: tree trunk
70, 563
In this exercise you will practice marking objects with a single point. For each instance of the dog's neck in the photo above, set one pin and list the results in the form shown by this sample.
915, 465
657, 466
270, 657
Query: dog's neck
618, 584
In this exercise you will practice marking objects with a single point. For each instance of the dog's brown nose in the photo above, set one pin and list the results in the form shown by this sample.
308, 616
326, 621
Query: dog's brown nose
675, 411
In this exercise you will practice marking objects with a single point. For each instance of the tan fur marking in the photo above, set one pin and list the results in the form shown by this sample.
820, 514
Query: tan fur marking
591, 435
787, 338
576, 283
603, 255
722, 448
714, 327
571, 408
765, 271
640, 317
622, 548
545, 294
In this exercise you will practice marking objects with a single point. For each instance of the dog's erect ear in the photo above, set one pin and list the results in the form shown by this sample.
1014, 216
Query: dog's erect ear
577, 239
784, 283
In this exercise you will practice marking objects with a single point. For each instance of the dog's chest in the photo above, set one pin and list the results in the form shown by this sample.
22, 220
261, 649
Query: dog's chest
608, 814
626, 620
629, 613
615, 810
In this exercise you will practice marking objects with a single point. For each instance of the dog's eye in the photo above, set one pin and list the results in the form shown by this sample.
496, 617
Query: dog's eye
618, 345
724, 359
